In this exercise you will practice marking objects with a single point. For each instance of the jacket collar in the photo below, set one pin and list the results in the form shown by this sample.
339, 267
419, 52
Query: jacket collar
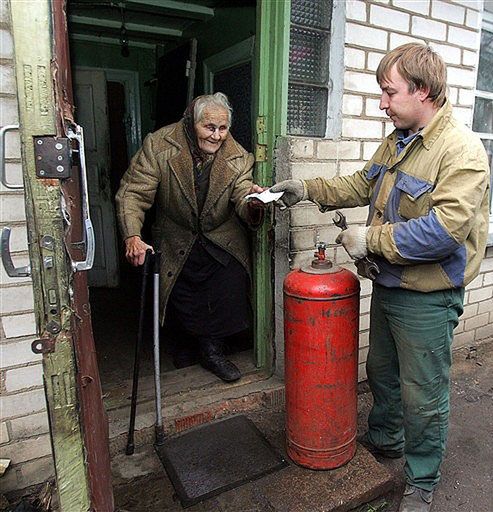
433, 130
221, 176
430, 133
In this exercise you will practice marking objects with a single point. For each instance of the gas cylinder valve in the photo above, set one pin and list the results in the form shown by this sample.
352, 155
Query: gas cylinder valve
320, 261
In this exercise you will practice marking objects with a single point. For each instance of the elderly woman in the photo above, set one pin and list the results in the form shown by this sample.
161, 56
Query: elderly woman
198, 176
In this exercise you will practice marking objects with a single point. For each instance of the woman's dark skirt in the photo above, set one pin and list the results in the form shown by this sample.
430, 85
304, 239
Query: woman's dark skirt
210, 297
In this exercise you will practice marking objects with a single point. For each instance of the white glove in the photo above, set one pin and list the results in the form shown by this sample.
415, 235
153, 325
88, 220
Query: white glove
353, 240
294, 191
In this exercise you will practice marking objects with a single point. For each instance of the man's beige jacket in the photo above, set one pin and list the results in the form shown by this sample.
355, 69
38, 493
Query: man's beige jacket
429, 205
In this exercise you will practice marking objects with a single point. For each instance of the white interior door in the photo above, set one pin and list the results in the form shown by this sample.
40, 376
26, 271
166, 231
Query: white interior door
92, 114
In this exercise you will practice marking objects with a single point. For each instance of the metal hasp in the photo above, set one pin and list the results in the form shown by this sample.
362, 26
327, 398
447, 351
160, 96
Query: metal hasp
52, 157
8, 264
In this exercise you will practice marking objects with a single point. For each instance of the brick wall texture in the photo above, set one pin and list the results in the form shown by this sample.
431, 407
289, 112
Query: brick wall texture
372, 28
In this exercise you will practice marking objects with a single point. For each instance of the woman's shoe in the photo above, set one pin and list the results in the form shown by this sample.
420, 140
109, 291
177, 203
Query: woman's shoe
212, 358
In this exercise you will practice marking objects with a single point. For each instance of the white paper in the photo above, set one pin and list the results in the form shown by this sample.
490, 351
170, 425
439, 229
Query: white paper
266, 196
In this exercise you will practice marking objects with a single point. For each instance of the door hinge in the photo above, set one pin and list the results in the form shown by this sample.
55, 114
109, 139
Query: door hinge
260, 125
261, 152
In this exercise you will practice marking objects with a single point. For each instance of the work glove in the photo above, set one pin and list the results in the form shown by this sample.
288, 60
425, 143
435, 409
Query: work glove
353, 239
294, 191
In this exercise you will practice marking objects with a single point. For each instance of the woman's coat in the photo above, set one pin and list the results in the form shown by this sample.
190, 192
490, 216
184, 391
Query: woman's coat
162, 172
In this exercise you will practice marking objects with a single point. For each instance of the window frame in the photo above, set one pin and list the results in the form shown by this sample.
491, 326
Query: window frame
335, 81
487, 25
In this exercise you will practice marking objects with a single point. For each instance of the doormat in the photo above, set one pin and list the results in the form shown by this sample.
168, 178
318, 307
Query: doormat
217, 457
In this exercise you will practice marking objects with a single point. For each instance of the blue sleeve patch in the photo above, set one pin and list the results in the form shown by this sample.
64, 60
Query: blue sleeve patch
374, 171
424, 239
455, 265
412, 186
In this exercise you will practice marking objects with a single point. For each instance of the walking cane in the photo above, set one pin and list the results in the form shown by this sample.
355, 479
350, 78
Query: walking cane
138, 346
159, 430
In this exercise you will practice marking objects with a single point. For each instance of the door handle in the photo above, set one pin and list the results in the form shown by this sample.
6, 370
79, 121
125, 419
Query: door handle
8, 264
76, 133
3, 174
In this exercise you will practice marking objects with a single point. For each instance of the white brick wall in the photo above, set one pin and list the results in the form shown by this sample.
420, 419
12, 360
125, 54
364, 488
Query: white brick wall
372, 29
24, 427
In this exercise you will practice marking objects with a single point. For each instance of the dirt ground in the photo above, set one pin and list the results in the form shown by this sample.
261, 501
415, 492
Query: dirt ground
467, 473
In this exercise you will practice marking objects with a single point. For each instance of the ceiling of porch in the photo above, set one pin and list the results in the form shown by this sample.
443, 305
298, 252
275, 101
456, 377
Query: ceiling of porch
146, 22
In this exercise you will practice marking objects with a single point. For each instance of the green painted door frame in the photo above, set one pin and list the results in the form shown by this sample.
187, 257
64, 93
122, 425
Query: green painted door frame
271, 103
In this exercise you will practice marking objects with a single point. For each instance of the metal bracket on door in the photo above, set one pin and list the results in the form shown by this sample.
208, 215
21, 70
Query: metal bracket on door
52, 157
8, 265
76, 133
3, 174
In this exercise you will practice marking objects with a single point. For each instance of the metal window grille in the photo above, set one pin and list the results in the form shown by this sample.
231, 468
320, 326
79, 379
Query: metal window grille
309, 51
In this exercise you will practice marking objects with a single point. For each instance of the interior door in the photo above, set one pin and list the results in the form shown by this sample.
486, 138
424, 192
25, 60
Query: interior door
175, 83
92, 115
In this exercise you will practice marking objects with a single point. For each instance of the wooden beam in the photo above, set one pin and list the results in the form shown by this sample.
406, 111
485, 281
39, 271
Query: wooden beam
110, 40
171, 8
131, 27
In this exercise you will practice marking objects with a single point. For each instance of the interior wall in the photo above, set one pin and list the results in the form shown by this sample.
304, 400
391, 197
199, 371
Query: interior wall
141, 60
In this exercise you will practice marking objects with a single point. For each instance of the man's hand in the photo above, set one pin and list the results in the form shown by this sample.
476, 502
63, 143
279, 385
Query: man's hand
135, 250
353, 240
294, 191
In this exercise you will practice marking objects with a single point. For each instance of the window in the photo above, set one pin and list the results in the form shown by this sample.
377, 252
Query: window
309, 67
483, 107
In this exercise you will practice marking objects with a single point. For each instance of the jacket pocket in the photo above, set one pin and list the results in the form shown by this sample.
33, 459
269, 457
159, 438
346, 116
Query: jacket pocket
415, 199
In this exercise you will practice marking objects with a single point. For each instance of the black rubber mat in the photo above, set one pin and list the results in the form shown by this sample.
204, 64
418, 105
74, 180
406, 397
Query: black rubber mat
216, 457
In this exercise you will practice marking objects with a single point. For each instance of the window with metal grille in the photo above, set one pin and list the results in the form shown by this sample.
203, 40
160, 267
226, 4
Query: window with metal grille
483, 106
309, 66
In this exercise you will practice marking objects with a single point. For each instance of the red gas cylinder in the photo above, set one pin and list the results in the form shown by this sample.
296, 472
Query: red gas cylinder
321, 327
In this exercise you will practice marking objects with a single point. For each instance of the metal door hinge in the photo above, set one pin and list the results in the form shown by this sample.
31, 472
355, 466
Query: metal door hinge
52, 157
261, 153
260, 124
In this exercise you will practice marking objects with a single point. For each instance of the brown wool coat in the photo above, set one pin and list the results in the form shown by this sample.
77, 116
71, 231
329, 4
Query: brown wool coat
162, 172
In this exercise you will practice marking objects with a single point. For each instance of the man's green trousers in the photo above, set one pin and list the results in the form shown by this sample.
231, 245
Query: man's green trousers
408, 372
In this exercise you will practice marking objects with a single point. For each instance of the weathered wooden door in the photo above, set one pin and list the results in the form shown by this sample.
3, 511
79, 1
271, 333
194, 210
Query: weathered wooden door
91, 112
60, 241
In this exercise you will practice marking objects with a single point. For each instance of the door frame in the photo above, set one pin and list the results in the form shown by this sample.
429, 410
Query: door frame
270, 92
237, 54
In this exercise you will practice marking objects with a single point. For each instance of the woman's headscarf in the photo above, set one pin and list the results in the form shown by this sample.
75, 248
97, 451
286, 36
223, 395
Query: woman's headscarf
199, 157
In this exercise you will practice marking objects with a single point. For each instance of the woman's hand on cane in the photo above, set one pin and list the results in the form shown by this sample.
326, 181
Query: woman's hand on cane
135, 250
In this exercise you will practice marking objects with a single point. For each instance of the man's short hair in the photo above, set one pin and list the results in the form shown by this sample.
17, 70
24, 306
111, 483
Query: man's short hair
218, 99
420, 66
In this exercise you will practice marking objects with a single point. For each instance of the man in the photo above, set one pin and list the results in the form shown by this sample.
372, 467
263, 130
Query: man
428, 187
